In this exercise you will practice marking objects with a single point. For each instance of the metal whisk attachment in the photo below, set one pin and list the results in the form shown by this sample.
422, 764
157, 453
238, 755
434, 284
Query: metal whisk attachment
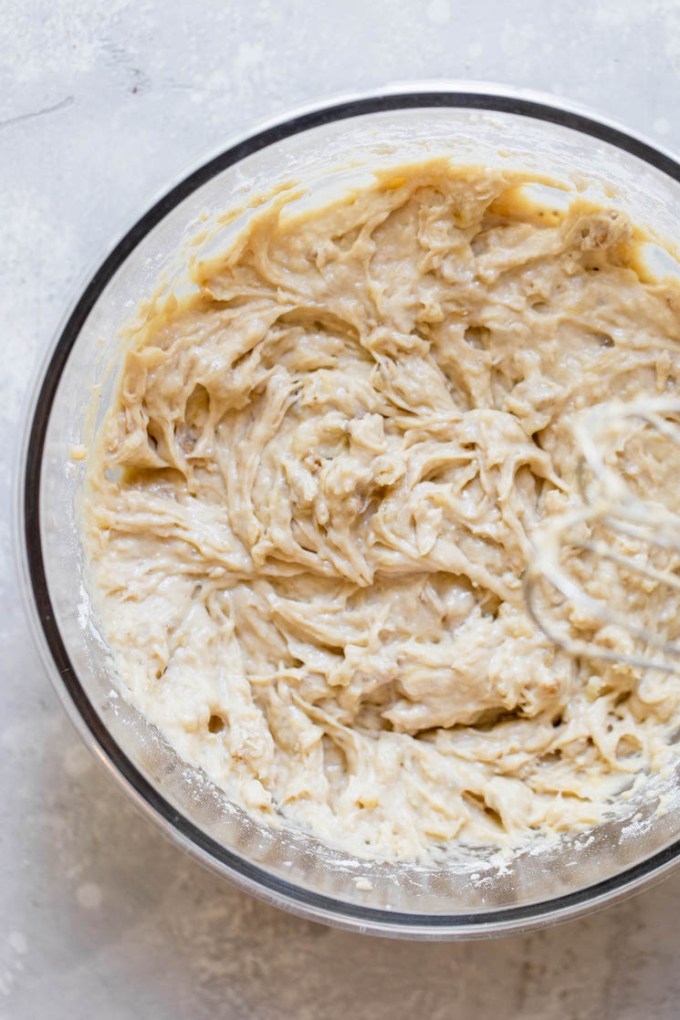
604, 582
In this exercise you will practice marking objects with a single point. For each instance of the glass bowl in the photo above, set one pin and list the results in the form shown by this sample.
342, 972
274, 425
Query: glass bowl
326, 148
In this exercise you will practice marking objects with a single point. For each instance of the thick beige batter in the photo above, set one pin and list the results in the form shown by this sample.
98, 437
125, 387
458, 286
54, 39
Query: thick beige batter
309, 513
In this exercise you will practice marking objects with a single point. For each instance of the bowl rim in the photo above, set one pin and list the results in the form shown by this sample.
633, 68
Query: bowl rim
483, 97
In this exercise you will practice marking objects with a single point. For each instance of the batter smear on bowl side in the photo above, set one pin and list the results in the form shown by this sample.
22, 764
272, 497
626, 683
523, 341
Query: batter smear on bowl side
310, 508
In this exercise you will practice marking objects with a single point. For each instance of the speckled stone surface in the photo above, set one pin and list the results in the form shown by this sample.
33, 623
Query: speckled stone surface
101, 105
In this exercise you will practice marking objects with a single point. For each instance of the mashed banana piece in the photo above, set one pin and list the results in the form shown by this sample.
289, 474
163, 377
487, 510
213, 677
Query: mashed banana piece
310, 508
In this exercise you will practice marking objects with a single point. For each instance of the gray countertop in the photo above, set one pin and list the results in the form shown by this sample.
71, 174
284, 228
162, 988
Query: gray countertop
101, 105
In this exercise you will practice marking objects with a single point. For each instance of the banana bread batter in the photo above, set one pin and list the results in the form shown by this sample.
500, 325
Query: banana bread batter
310, 509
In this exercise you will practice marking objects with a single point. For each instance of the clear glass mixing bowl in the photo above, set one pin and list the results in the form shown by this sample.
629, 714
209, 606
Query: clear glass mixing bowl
325, 148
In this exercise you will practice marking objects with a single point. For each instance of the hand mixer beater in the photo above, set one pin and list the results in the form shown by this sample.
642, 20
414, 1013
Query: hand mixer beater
604, 581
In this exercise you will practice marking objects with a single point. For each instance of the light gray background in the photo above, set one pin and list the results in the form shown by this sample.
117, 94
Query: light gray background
102, 103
